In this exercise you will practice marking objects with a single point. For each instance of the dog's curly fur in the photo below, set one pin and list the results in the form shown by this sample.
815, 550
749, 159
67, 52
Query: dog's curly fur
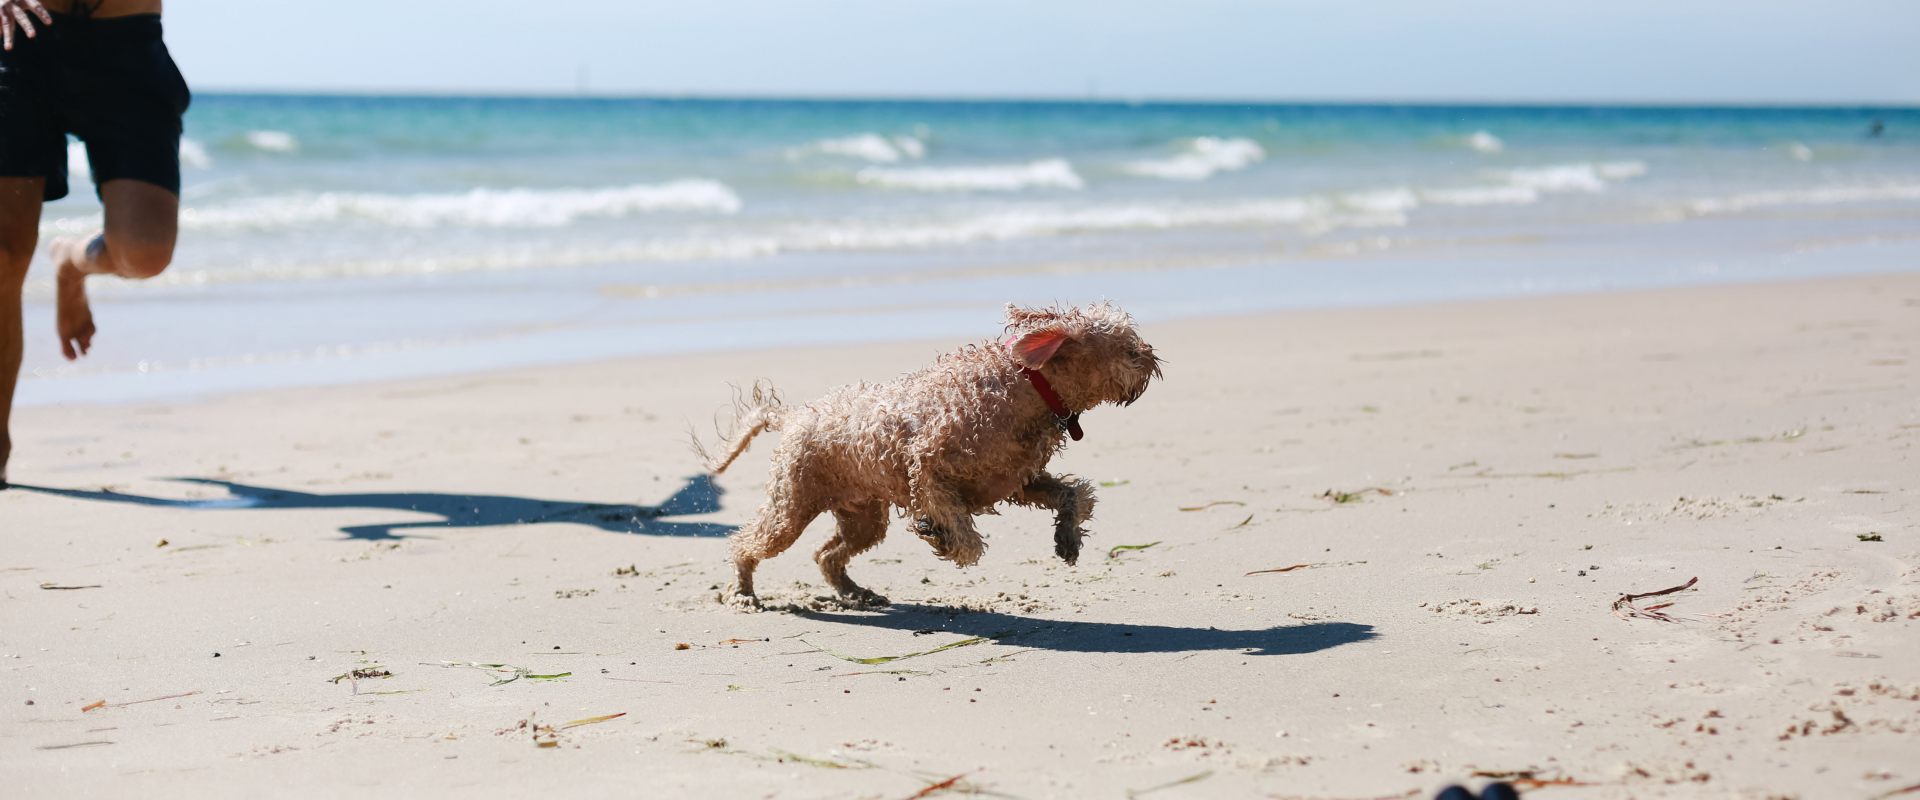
942, 444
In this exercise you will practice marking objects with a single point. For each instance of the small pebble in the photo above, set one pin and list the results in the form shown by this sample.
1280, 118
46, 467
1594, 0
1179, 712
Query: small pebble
29, 702
216, 655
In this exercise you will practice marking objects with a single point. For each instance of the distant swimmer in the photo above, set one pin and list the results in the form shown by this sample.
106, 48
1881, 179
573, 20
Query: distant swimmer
96, 69
1876, 128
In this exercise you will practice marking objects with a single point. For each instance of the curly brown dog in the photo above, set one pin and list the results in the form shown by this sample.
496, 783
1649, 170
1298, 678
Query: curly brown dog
971, 430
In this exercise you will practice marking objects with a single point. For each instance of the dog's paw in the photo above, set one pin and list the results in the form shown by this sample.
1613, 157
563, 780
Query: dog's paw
862, 597
1066, 544
734, 599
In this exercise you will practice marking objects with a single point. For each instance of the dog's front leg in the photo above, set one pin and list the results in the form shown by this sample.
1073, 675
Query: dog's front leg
1071, 500
955, 540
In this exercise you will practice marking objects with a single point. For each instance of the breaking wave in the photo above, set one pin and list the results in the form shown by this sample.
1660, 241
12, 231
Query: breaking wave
194, 154
489, 208
1481, 196
79, 169
1584, 177
867, 146
1053, 173
1806, 197
1485, 142
1382, 201
1313, 214
1203, 157
271, 141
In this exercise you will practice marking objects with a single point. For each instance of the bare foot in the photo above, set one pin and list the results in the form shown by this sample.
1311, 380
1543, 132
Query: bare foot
74, 318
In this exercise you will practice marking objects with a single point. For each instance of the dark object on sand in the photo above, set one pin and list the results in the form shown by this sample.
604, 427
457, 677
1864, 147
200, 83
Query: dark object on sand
1494, 791
1499, 791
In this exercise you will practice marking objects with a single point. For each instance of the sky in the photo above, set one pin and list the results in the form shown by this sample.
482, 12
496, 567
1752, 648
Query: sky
1653, 51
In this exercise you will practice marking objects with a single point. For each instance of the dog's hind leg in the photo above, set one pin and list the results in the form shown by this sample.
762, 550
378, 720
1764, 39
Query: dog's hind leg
1071, 500
859, 529
769, 534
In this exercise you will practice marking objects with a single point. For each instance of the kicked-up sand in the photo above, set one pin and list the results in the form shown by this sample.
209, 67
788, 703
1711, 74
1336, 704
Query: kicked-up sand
1338, 554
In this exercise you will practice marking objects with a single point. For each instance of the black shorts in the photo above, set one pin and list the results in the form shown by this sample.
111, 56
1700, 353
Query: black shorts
108, 81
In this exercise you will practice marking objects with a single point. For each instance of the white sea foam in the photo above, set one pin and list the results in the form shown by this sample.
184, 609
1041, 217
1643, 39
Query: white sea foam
1564, 178
79, 170
867, 146
1800, 152
1620, 170
1309, 214
1481, 196
1046, 173
502, 208
1485, 142
1824, 196
194, 154
1392, 200
1583, 177
1053, 220
1202, 157
272, 141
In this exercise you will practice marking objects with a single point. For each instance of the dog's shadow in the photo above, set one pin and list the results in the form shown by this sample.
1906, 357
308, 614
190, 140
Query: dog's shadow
697, 495
1108, 637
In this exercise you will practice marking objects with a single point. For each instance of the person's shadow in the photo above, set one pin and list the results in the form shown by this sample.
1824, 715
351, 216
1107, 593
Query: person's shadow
1110, 637
698, 495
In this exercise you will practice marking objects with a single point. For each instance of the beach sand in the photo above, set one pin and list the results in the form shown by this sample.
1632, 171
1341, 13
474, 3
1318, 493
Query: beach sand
1469, 486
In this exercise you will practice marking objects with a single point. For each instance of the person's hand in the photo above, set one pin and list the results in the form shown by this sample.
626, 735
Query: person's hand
14, 13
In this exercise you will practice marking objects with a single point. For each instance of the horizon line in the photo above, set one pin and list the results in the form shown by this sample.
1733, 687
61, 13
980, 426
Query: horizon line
425, 93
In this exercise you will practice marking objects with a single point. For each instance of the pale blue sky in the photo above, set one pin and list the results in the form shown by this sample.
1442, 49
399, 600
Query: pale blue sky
1723, 51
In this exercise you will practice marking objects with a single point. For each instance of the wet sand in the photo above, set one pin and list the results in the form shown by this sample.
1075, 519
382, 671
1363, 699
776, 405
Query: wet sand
1462, 492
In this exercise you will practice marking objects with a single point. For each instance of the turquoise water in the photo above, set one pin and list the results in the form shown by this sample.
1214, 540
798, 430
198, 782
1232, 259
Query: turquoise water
328, 239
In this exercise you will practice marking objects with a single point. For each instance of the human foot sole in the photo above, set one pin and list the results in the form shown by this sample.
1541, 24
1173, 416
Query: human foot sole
73, 316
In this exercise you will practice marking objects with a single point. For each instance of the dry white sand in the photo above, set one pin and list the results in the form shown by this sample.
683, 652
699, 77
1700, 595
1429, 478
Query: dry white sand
1509, 469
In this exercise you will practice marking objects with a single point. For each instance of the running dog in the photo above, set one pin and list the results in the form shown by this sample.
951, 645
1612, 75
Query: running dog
970, 431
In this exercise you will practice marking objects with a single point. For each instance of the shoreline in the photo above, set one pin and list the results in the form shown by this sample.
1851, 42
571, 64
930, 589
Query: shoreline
1469, 485
840, 307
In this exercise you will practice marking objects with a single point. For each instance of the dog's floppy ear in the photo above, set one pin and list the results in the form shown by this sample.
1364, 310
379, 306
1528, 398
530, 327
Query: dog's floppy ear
1032, 350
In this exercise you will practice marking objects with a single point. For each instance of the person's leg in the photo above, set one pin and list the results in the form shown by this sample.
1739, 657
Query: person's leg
19, 234
142, 223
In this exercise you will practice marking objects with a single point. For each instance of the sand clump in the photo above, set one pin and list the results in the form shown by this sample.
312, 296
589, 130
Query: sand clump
1481, 611
1698, 508
1866, 706
1884, 607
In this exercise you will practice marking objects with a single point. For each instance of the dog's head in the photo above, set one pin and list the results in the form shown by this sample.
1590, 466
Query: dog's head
1091, 355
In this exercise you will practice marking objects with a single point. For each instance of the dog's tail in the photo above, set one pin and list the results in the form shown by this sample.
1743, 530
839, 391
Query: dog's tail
755, 410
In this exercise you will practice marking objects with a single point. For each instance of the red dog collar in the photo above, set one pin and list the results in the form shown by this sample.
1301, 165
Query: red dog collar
1068, 423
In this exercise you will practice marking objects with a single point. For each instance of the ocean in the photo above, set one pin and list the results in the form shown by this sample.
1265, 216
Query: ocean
334, 239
